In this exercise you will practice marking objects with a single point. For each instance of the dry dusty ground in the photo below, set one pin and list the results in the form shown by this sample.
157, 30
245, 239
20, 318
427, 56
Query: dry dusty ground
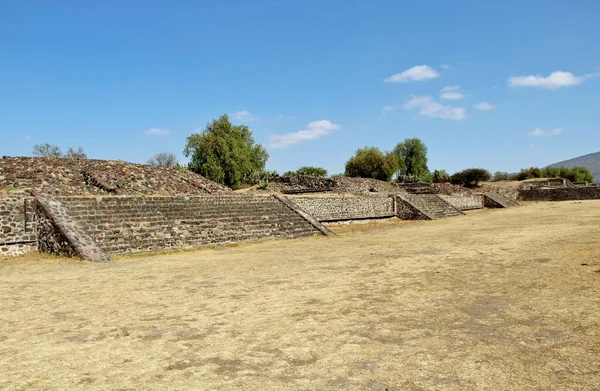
496, 300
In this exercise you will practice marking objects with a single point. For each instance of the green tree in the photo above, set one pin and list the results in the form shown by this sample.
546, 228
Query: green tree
470, 177
307, 170
46, 150
163, 159
225, 153
370, 162
412, 158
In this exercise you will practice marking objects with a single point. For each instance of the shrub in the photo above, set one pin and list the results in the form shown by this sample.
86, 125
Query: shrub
440, 176
470, 177
307, 170
370, 162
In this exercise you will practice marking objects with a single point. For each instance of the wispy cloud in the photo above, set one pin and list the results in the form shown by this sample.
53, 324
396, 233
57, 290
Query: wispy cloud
553, 81
416, 73
314, 130
157, 132
244, 115
452, 93
539, 132
429, 107
484, 106
445, 66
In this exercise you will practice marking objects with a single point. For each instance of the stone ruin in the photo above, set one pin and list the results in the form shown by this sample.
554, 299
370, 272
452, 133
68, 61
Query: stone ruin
93, 209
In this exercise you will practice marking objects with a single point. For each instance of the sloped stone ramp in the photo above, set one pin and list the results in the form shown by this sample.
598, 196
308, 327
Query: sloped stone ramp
497, 200
424, 207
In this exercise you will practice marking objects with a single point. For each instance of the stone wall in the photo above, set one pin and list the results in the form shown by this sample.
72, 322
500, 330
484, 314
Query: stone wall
560, 194
132, 224
17, 224
346, 208
464, 202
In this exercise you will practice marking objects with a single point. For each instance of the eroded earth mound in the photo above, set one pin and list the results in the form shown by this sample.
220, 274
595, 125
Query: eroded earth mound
86, 177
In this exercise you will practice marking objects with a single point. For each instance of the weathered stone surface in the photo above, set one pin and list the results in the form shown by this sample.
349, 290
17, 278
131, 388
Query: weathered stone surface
560, 194
467, 202
58, 233
17, 224
90, 176
424, 207
497, 200
126, 224
346, 208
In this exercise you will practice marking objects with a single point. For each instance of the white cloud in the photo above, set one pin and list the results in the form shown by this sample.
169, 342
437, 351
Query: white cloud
555, 80
429, 107
157, 132
445, 66
388, 108
484, 106
416, 73
314, 130
452, 93
539, 132
244, 115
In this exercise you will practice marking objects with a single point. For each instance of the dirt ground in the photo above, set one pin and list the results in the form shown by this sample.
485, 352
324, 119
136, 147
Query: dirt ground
494, 300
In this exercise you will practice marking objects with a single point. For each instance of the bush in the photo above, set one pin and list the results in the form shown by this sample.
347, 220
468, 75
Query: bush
470, 177
440, 176
307, 170
575, 174
370, 162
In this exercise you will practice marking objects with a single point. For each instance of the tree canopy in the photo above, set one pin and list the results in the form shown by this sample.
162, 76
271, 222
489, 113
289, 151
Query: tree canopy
225, 153
163, 159
574, 174
370, 162
471, 177
412, 158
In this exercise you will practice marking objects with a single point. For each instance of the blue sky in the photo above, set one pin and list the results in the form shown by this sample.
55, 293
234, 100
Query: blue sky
500, 85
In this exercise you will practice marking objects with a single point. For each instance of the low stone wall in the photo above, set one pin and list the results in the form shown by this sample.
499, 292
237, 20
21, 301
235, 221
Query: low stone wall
560, 194
346, 208
464, 202
17, 224
132, 224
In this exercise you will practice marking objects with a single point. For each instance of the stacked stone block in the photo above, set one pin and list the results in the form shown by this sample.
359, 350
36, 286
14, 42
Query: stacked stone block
17, 224
346, 208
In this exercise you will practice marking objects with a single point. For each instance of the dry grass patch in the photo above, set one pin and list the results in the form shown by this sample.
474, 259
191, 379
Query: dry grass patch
497, 300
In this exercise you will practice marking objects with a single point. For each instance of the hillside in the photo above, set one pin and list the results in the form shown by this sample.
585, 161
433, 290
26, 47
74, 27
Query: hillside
90, 176
591, 161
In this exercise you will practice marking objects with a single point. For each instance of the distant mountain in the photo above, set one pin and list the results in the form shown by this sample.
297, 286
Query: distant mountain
591, 161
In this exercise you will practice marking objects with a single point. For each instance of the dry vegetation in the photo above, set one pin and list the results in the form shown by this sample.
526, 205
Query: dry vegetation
495, 300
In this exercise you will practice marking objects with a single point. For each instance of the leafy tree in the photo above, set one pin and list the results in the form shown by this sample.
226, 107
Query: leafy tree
500, 176
307, 170
470, 177
78, 154
46, 150
412, 158
440, 176
225, 153
574, 174
163, 159
370, 162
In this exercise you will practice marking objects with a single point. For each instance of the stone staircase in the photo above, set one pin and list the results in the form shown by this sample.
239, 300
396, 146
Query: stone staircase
497, 200
431, 206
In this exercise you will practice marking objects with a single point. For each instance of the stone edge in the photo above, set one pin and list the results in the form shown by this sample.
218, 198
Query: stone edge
311, 220
80, 242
